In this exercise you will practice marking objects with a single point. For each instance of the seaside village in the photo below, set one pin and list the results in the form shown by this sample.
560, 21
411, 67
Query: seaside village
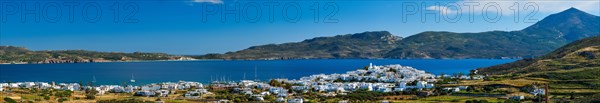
383, 79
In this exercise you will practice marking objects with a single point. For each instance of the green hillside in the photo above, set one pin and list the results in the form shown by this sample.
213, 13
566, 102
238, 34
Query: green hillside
579, 54
11, 54
571, 71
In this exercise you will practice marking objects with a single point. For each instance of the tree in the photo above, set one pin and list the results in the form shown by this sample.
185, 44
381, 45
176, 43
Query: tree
90, 96
269, 98
9, 100
488, 88
511, 101
470, 89
275, 83
572, 95
392, 70
455, 75
62, 99
412, 83
63, 93
592, 99
338, 80
471, 75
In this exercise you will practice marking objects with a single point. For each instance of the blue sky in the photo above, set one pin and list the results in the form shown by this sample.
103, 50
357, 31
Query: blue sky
177, 26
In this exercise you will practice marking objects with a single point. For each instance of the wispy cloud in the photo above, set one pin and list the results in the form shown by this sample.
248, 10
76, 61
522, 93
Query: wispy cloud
208, 1
444, 10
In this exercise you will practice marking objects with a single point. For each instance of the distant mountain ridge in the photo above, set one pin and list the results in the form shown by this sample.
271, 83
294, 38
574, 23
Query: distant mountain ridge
540, 38
367, 44
12, 54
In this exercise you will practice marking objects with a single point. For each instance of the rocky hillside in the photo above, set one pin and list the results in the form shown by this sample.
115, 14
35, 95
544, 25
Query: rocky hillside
544, 36
359, 45
494, 44
583, 53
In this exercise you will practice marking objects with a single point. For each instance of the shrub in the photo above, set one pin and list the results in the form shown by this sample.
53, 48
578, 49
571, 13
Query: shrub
131, 100
90, 96
511, 101
476, 101
62, 99
9, 100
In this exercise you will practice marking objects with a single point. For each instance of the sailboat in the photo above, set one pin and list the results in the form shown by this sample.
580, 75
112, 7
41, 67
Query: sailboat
132, 80
255, 75
94, 79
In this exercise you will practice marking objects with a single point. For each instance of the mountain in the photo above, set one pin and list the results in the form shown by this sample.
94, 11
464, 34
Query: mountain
571, 24
584, 53
540, 38
359, 45
12, 54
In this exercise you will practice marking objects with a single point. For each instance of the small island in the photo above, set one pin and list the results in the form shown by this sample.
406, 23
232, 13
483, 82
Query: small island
20, 55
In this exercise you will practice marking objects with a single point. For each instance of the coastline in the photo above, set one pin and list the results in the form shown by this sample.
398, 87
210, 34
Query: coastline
109, 62
133, 61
